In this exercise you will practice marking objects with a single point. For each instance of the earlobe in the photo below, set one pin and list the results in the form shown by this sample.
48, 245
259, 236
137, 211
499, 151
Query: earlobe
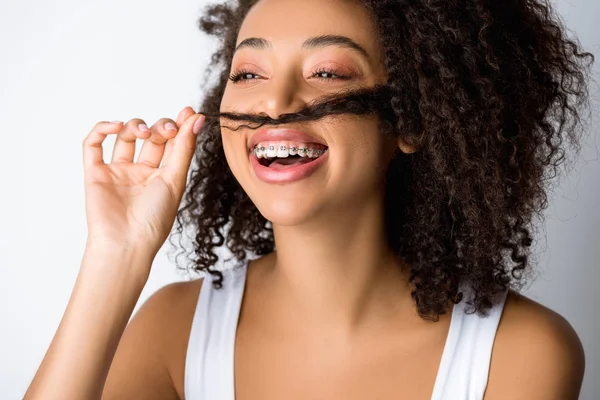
405, 147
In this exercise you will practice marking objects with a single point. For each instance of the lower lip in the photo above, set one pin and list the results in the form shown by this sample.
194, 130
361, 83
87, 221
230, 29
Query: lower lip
288, 175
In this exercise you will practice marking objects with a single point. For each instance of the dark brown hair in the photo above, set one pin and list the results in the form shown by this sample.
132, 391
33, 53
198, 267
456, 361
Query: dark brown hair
486, 90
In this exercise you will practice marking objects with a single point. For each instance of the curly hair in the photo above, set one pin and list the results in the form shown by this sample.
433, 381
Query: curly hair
486, 90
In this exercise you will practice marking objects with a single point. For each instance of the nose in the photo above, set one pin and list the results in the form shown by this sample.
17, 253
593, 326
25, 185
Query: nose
281, 95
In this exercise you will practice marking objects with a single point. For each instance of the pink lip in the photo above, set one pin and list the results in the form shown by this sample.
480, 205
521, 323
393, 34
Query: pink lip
270, 134
289, 175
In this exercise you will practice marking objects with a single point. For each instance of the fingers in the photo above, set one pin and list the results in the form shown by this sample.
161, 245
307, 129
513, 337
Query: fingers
184, 115
181, 118
174, 147
176, 166
92, 144
154, 147
124, 149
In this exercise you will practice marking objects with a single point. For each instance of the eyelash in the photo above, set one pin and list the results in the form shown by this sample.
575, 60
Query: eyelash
237, 76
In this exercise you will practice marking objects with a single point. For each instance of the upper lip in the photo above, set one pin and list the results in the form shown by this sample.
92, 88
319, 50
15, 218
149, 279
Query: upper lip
282, 134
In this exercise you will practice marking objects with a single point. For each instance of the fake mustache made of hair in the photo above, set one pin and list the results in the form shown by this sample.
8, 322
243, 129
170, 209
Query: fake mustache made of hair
362, 101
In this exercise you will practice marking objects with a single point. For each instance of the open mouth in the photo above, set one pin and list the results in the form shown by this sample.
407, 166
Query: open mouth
288, 157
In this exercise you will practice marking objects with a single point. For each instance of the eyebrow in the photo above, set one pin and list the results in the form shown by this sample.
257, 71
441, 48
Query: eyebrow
310, 43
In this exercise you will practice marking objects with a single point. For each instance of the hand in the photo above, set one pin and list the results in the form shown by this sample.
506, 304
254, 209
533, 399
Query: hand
134, 205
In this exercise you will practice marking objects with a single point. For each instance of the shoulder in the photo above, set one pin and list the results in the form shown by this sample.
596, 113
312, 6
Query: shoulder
154, 345
537, 354
167, 314
171, 310
181, 293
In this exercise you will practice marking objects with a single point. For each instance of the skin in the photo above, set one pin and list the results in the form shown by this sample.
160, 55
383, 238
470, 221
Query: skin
315, 220
354, 332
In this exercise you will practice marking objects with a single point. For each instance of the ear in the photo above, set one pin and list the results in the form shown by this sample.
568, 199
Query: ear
405, 147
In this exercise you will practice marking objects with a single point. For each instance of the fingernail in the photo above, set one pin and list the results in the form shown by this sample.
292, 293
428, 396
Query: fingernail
143, 128
170, 126
197, 125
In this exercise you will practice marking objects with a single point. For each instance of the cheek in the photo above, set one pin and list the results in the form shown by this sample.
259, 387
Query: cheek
360, 146
359, 159
230, 100
234, 149
225, 103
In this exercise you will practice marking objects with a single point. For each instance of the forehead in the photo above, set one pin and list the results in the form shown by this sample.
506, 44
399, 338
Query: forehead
287, 23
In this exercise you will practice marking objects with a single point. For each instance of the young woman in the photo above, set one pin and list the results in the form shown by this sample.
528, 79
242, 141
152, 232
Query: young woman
374, 167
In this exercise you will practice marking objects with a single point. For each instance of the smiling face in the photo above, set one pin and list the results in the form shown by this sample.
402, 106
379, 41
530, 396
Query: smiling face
290, 53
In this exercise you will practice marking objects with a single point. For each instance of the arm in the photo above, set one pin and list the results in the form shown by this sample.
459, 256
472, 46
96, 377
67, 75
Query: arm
130, 210
105, 293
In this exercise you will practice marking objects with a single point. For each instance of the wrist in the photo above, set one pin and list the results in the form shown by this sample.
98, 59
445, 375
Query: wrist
123, 248
109, 256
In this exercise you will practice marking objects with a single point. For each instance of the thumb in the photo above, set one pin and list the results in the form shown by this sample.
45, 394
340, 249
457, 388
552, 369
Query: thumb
183, 148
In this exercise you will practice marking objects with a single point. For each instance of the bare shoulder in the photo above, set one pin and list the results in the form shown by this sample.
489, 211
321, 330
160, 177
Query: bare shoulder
184, 294
150, 359
175, 306
537, 354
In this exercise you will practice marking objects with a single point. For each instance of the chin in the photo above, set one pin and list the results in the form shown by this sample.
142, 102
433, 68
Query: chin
287, 209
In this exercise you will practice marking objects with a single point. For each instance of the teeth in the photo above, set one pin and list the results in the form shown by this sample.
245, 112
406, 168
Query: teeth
283, 151
260, 152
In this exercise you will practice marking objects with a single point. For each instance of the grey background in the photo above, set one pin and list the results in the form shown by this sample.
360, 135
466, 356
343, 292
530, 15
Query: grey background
67, 64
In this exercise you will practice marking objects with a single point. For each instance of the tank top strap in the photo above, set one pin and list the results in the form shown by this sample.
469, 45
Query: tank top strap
210, 353
464, 367
209, 368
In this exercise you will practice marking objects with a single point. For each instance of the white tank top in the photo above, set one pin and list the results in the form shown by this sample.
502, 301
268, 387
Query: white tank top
209, 365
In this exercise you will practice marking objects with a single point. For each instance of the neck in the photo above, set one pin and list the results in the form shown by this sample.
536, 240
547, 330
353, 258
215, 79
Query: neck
338, 273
